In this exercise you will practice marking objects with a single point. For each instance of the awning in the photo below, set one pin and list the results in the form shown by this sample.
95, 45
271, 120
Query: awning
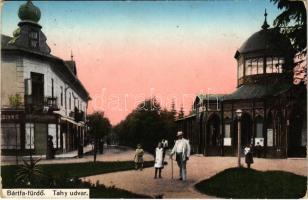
72, 121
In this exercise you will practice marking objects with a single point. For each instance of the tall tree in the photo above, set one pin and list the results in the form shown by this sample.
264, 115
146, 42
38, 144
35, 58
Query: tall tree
173, 110
99, 126
181, 113
293, 22
148, 124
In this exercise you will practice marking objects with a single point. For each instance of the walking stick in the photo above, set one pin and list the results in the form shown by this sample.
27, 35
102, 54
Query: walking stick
171, 167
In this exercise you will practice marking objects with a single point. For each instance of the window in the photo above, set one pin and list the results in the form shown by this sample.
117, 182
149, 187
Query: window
269, 65
248, 67
240, 69
70, 101
259, 130
270, 137
254, 66
10, 136
52, 90
227, 131
274, 64
34, 39
227, 139
37, 88
61, 97
52, 130
29, 136
260, 66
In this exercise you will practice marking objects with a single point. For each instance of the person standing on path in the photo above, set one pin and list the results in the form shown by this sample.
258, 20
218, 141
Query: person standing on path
159, 162
248, 155
139, 157
182, 150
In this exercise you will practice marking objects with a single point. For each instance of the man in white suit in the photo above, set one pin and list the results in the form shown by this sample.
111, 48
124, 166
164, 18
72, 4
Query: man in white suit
182, 150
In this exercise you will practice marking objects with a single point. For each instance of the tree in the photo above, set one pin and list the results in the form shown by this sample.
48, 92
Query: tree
99, 126
15, 103
147, 125
293, 24
173, 110
181, 113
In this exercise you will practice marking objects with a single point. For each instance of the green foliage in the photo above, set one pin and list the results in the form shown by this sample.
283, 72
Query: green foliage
181, 113
98, 124
29, 174
15, 100
54, 174
293, 22
148, 124
252, 184
61, 176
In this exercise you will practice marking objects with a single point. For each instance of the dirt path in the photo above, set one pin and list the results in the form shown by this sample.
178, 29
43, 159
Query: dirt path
110, 154
198, 167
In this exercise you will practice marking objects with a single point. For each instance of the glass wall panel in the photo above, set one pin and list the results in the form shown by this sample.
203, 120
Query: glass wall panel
248, 67
227, 131
281, 63
29, 135
269, 65
10, 136
240, 70
260, 66
254, 66
275, 65
259, 132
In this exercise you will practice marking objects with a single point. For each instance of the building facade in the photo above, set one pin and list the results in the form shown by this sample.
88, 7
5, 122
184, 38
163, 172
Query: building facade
274, 109
41, 94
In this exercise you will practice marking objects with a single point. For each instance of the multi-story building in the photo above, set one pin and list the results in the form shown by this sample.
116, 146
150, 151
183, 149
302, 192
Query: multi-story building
41, 94
274, 110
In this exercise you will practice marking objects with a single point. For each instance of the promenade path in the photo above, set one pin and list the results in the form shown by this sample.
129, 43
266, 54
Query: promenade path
198, 167
112, 153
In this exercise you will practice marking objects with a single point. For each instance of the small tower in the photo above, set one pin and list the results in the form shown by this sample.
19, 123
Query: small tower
29, 35
265, 25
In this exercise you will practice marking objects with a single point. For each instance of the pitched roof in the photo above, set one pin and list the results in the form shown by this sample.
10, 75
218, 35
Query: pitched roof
64, 67
257, 91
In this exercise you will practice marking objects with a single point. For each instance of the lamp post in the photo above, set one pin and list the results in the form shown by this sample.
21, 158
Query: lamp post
238, 114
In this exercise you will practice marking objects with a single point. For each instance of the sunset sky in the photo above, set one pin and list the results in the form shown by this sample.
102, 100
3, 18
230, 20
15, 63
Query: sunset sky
127, 51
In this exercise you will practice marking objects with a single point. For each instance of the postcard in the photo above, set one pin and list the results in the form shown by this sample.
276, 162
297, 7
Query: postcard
154, 99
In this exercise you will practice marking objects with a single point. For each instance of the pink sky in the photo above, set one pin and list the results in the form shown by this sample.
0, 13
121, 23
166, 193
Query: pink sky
129, 51
126, 73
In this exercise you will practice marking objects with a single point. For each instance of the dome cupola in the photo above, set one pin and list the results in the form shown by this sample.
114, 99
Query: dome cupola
29, 34
29, 12
266, 53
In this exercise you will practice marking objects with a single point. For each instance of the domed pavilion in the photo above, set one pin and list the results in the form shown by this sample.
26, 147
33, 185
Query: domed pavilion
273, 109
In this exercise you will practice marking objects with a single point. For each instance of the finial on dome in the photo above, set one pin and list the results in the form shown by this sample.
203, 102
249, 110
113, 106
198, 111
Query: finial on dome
72, 56
29, 12
265, 25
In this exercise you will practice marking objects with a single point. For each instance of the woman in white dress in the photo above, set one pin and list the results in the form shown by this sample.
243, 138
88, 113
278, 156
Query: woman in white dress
159, 162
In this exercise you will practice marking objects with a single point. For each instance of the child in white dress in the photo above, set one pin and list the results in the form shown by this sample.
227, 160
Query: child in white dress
159, 164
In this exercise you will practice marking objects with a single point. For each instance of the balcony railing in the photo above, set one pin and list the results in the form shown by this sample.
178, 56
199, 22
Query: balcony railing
78, 115
48, 105
52, 103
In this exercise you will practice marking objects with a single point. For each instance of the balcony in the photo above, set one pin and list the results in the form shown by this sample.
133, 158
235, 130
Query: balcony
51, 103
78, 115
41, 105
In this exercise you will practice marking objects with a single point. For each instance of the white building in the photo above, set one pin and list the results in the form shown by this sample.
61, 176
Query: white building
52, 99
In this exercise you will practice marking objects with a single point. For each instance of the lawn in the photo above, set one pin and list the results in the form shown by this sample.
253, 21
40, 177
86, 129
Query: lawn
252, 184
77, 170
